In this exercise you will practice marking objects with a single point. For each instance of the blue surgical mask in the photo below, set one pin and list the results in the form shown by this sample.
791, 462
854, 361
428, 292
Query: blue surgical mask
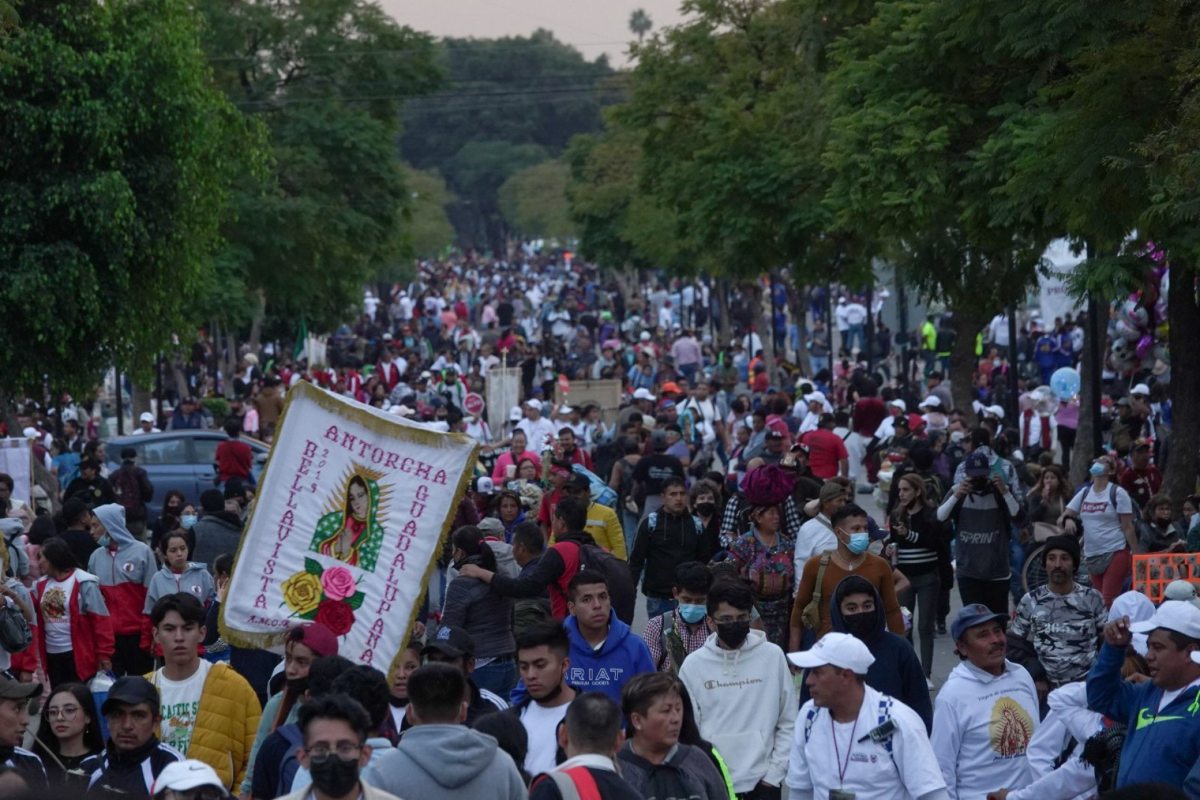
1096, 470
187, 521
692, 612
859, 542
104, 541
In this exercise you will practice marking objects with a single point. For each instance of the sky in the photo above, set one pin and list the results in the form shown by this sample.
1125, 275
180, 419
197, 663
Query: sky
594, 27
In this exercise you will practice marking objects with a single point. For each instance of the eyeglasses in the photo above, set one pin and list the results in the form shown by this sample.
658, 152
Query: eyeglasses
344, 750
64, 712
731, 620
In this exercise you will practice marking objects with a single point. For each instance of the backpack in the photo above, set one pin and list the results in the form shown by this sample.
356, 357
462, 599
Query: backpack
291, 762
15, 634
127, 488
621, 590
599, 491
572, 784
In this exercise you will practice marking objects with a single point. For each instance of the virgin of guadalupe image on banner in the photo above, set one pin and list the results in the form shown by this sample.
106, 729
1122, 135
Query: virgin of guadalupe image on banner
353, 507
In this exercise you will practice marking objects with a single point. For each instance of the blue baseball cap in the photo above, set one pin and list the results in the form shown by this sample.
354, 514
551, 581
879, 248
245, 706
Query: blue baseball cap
972, 615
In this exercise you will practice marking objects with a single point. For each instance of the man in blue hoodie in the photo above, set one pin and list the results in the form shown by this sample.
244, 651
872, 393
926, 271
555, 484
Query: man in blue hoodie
857, 609
1163, 715
605, 654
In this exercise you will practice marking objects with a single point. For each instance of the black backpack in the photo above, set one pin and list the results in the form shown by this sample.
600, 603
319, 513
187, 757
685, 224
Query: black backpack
621, 590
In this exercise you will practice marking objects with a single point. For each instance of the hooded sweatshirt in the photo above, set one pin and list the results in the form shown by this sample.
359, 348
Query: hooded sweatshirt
982, 725
125, 568
897, 670
621, 656
194, 580
418, 767
1162, 744
745, 704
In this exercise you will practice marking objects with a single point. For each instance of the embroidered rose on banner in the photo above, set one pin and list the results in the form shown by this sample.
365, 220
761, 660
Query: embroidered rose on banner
338, 583
336, 615
328, 595
302, 593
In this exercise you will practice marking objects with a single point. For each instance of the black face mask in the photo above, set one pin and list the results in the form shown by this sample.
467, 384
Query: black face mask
334, 776
864, 625
733, 634
706, 509
298, 686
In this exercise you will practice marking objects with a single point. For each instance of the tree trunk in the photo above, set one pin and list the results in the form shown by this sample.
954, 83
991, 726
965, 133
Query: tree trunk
761, 317
260, 313
1184, 313
139, 401
962, 361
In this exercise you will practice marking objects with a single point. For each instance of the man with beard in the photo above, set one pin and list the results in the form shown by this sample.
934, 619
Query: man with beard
1059, 626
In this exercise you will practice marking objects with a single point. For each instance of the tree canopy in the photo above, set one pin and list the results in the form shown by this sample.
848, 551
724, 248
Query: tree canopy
117, 161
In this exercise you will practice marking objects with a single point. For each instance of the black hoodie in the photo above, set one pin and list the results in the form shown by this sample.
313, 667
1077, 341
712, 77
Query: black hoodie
897, 670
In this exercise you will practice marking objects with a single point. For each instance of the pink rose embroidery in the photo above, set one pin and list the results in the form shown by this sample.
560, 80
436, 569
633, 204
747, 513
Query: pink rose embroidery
338, 583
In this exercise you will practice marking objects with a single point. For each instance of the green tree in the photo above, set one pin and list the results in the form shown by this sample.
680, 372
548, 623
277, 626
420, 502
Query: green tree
726, 105
534, 201
509, 103
428, 230
640, 24
327, 78
116, 165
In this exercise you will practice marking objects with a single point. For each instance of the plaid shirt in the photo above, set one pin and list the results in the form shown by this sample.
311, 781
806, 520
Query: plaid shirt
692, 640
734, 522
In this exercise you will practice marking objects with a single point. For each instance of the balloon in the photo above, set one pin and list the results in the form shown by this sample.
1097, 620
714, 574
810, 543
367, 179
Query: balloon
1127, 331
1135, 315
1144, 346
1065, 383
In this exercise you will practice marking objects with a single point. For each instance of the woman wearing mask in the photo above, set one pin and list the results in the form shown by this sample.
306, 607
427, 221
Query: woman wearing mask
703, 500
918, 538
68, 738
1103, 512
764, 560
471, 604
654, 761
172, 510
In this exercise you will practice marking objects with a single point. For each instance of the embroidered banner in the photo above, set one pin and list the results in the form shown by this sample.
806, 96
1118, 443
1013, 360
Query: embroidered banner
348, 522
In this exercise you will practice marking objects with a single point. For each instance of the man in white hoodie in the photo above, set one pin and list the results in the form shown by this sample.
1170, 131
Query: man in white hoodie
743, 694
986, 712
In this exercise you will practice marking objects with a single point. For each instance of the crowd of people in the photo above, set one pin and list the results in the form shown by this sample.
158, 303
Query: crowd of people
788, 635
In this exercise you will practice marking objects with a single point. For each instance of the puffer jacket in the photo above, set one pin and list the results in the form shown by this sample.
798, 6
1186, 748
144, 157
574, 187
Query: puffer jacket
226, 723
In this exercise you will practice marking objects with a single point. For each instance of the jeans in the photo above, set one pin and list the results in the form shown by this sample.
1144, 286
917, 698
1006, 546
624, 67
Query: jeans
498, 677
659, 605
856, 335
1111, 582
1016, 558
629, 523
818, 363
923, 589
993, 594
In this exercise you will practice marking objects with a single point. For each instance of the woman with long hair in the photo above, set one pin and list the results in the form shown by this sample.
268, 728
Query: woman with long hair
1105, 511
918, 538
172, 512
472, 605
1049, 496
69, 739
509, 512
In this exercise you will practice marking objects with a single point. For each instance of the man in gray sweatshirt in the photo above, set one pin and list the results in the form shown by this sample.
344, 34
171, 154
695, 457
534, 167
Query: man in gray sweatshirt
439, 756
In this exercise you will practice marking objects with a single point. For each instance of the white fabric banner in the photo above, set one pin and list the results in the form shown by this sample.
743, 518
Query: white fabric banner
347, 525
15, 462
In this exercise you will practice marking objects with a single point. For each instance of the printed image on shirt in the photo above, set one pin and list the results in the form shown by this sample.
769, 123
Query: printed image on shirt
54, 604
1010, 728
178, 719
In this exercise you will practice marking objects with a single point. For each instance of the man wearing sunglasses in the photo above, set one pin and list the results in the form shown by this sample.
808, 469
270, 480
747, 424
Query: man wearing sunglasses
15, 698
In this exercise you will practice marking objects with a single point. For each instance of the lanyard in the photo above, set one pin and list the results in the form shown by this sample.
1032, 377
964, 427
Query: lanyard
843, 767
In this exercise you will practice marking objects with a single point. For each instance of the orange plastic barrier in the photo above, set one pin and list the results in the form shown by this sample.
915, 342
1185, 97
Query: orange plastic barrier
1153, 571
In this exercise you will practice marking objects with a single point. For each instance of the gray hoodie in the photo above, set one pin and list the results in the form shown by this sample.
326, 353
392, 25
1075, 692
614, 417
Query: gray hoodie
447, 761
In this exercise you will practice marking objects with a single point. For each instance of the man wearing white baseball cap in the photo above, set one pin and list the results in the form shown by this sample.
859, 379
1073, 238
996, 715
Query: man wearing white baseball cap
188, 780
538, 429
1163, 715
853, 742
145, 424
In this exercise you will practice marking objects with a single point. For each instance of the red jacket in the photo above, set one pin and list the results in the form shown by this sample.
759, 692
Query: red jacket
91, 629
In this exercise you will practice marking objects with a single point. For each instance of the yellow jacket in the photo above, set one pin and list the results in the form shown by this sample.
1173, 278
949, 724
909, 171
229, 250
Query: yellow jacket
605, 528
226, 723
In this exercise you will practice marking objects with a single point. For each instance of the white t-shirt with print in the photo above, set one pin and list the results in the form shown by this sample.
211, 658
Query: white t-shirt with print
179, 702
1101, 524
56, 614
